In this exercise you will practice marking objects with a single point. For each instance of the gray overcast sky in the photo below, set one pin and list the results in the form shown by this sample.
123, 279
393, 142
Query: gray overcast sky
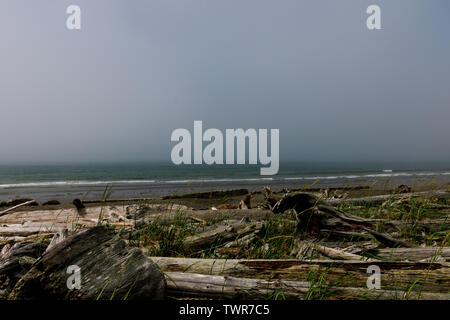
137, 70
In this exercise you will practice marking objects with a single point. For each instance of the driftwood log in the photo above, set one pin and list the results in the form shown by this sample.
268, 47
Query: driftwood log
412, 254
227, 231
224, 287
315, 216
2, 213
339, 254
108, 270
16, 260
208, 194
400, 276
377, 200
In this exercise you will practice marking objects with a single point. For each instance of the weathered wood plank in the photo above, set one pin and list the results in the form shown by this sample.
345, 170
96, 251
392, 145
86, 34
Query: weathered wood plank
412, 254
225, 287
394, 275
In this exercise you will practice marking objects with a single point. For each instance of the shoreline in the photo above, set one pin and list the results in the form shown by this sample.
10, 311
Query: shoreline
66, 193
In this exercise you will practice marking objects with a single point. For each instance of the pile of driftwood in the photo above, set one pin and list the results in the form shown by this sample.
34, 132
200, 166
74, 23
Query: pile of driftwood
407, 271
334, 254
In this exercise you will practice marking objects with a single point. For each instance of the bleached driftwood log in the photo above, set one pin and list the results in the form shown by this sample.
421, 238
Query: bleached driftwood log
219, 287
39, 222
19, 230
412, 254
340, 254
227, 231
225, 287
430, 277
376, 200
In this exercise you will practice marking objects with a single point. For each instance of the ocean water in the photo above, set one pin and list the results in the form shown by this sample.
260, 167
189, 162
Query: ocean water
146, 180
